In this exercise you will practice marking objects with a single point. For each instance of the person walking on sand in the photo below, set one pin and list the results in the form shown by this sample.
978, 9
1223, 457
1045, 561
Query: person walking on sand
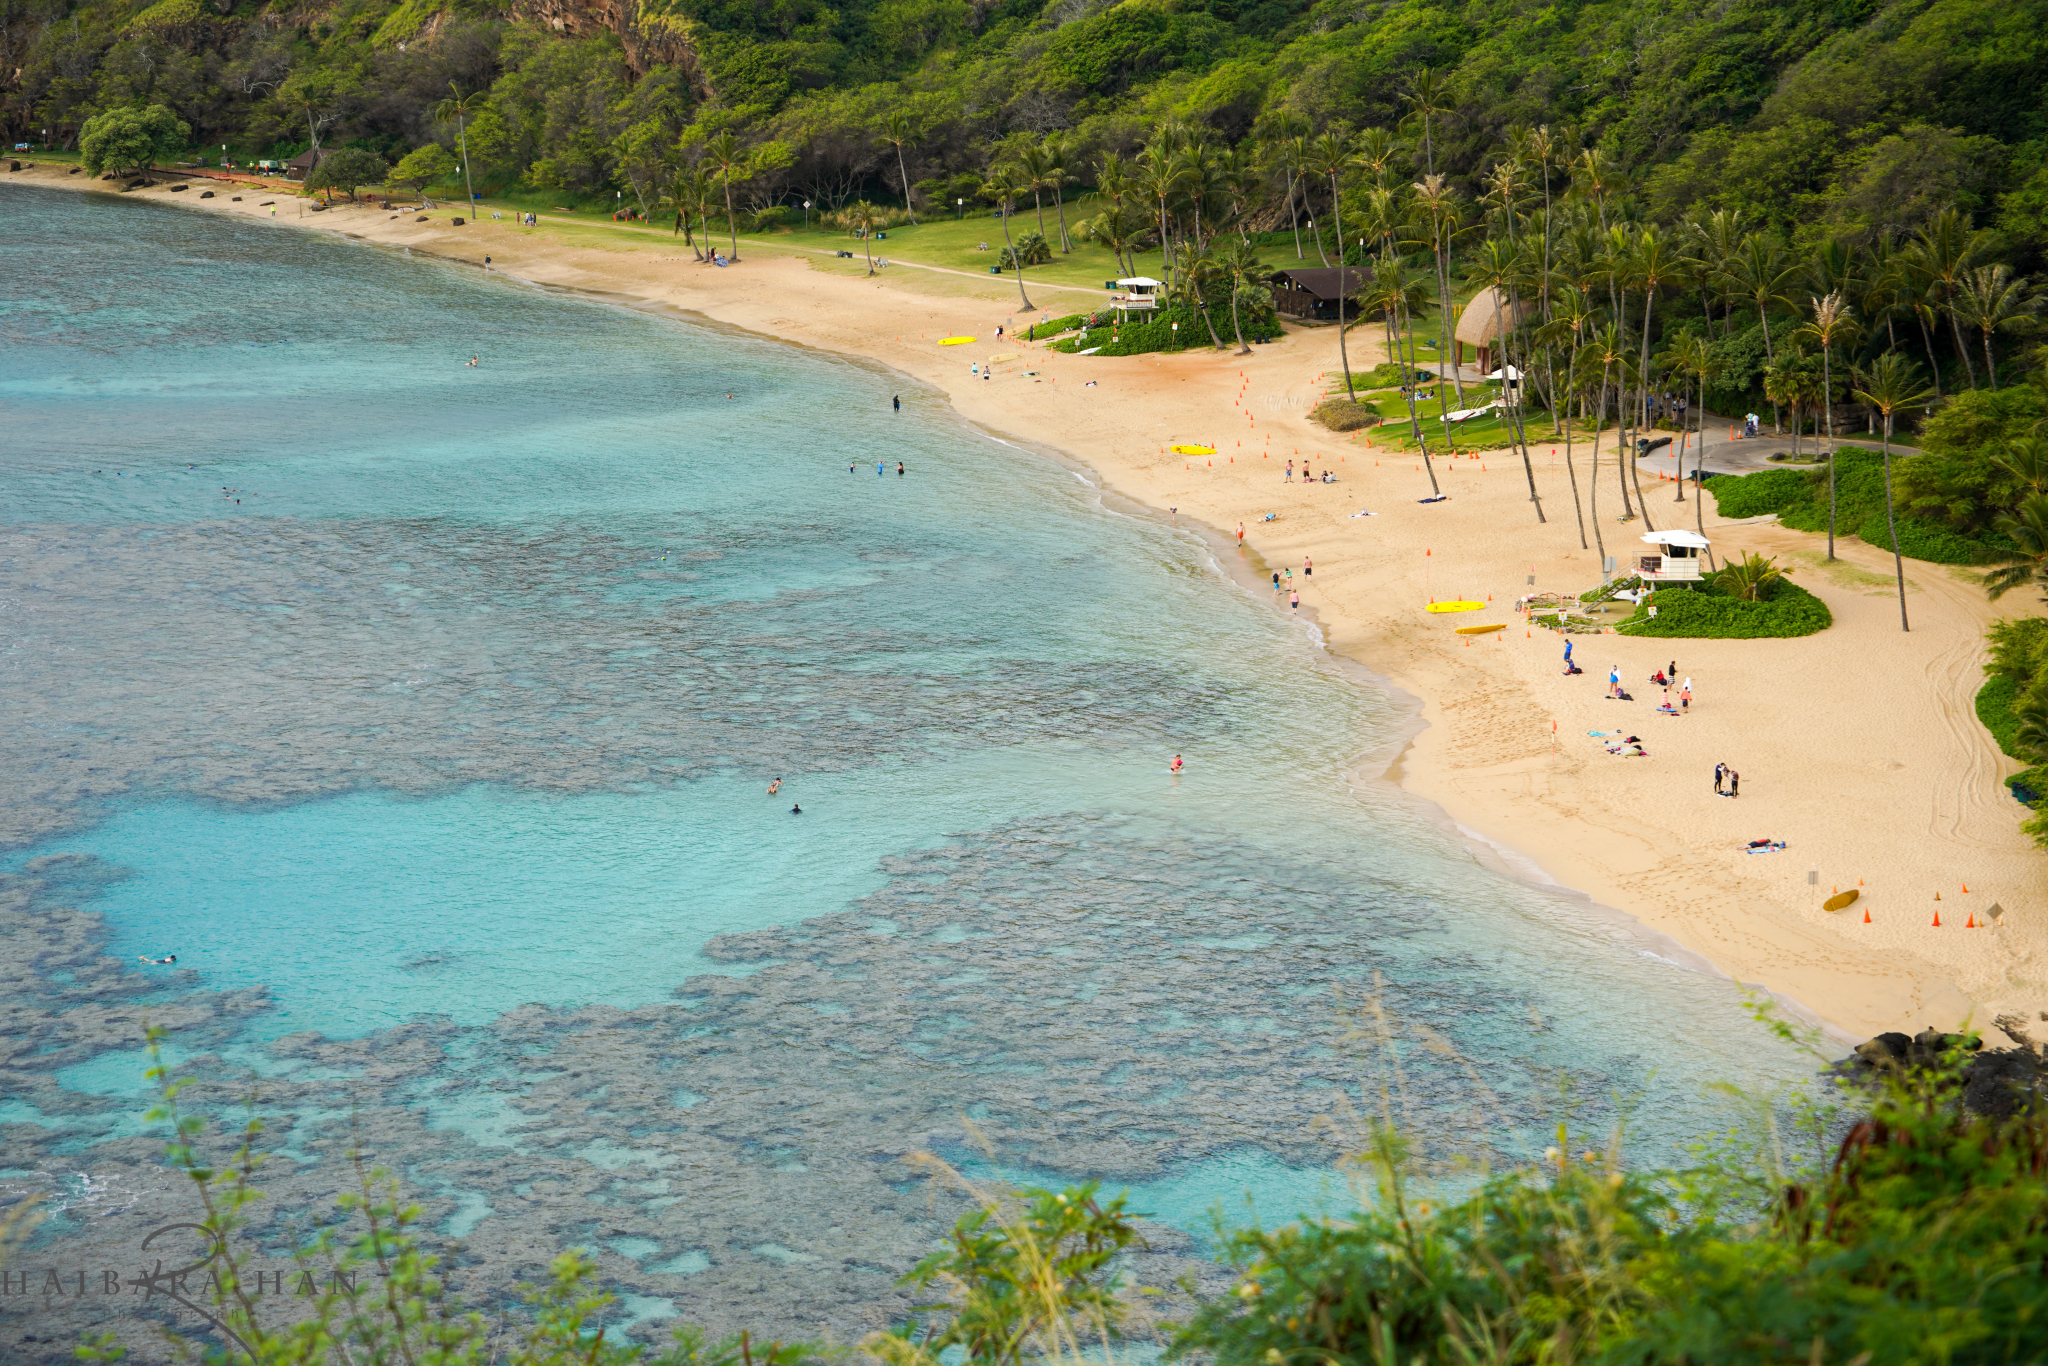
1288, 478
1685, 697
1720, 778
1614, 681
1293, 600
1240, 535
1308, 567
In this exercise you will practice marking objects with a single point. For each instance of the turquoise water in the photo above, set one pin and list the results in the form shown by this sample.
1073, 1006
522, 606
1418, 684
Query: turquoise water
467, 706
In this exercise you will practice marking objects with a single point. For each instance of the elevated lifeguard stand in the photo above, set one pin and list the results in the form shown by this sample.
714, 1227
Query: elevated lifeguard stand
1678, 557
1141, 294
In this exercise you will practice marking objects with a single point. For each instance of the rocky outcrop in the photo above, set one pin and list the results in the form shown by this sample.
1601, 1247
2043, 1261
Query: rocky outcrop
1996, 1082
651, 36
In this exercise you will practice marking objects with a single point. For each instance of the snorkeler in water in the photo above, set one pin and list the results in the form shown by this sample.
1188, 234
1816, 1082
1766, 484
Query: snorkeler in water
775, 787
158, 962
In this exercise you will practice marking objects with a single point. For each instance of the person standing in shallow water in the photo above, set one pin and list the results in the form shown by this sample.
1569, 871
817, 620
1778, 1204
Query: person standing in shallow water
896, 402
899, 469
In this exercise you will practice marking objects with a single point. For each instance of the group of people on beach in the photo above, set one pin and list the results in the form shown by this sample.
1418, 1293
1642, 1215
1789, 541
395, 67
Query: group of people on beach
1308, 476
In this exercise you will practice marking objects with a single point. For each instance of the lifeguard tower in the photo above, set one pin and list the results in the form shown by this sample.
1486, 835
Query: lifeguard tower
1141, 294
1678, 557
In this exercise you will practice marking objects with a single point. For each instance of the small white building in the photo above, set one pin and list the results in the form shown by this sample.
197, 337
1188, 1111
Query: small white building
1678, 560
1141, 292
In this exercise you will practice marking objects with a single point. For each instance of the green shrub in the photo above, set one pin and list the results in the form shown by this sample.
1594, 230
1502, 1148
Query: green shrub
1994, 709
1755, 495
1799, 499
1031, 249
1920, 540
1705, 613
1340, 415
1158, 334
1055, 327
2030, 787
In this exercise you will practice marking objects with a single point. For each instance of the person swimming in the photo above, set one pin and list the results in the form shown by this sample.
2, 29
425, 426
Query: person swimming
796, 809
159, 962
775, 787
1176, 766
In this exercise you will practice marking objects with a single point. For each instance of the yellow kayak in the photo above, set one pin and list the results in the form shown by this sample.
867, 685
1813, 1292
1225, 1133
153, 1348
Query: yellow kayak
1193, 450
1481, 630
1841, 900
954, 341
1455, 606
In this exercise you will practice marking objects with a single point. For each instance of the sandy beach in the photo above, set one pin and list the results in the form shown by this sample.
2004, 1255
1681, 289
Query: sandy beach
1858, 746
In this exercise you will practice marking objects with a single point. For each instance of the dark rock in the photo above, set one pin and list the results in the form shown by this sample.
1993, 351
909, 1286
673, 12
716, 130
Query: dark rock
206, 194
13, 165
421, 219
1994, 1083
74, 170
179, 189
458, 222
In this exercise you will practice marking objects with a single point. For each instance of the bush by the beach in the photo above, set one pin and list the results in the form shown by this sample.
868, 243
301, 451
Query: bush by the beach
1158, 333
1707, 613
1339, 415
1756, 495
1037, 331
1994, 709
1799, 498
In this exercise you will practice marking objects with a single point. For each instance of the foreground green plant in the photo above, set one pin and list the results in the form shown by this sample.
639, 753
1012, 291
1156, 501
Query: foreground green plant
385, 1301
1925, 1240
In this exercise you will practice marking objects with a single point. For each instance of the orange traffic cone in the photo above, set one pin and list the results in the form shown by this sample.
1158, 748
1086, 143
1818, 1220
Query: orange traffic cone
1866, 915
1937, 896
1966, 888
1937, 920
1970, 922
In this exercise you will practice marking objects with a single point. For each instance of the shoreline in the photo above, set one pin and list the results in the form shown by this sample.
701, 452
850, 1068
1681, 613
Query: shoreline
1627, 842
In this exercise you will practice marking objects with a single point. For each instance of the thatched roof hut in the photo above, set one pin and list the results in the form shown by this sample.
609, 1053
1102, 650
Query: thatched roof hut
1481, 323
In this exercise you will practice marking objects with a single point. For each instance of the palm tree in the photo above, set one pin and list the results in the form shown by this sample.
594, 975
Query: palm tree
1890, 384
1747, 577
1059, 152
1499, 268
1160, 172
1990, 298
688, 188
2027, 528
1758, 272
1287, 131
1429, 96
459, 106
1945, 249
2027, 461
1605, 350
1573, 313
1832, 321
1199, 266
1330, 155
897, 129
1037, 168
1007, 183
1436, 210
1653, 262
1247, 275
729, 160
863, 217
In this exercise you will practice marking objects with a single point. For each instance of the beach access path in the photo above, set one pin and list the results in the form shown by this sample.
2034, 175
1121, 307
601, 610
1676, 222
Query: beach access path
1858, 746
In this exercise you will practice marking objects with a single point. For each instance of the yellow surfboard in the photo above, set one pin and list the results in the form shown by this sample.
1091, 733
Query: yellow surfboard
954, 341
1455, 606
1841, 901
1481, 630
1193, 450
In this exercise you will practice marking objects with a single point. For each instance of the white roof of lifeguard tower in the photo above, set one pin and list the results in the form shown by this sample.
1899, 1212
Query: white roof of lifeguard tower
1686, 538
1145, 280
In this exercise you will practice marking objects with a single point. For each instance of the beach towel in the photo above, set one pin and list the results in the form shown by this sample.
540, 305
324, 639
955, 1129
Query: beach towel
1362, 513
1440, 498
1763, 847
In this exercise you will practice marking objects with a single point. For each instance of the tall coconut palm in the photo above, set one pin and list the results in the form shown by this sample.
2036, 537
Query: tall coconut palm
863, 218
1428, 98
1654, 261
1891, 385
1943, 252
1438, 218
1036, 167
1499, 267
730, 162
689, 188
1160, 173
1832, 322
897, 130
1759, 273
1990, 299
459, 107
1572, 315
1607, 351
1286, 142
1007, 184
1246, 273
1331, 156
1059, 157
